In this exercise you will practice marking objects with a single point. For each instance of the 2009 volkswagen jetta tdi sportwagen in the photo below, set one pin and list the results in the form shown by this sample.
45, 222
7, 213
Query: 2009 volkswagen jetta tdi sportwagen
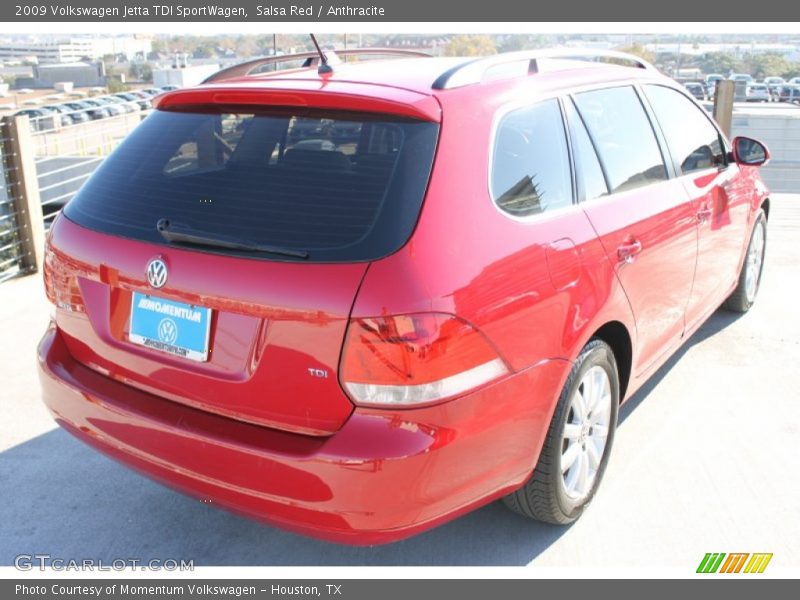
359, 303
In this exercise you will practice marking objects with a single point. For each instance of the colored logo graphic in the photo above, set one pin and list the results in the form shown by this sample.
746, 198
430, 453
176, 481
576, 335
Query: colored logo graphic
738, 562
167, 331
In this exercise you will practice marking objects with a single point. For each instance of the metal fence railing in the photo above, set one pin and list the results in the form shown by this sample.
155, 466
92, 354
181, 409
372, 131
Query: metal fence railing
12, 237
45, 160
68, 154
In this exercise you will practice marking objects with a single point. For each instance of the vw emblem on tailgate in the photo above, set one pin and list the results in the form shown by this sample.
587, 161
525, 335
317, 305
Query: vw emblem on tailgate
156, 273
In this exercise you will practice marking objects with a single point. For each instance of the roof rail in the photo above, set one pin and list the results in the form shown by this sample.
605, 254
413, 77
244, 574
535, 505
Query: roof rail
473, 71
309, 59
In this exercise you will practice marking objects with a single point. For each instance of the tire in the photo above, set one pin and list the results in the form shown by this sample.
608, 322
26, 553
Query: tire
546, 496
744, 296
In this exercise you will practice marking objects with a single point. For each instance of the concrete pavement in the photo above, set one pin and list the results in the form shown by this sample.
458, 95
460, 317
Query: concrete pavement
705, 460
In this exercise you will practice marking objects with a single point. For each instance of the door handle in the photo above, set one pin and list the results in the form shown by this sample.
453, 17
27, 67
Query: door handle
628, 251
704, 214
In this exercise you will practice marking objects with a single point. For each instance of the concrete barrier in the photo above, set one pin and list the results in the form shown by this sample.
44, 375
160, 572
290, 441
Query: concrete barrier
778, 126
94, 138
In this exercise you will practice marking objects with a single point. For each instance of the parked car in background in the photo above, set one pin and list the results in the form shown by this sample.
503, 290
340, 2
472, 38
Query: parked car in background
774, 84
741, 81
101, 108
123, 105
757, 92
142, 100
696, 89
113, 108
744, 77
360, 337
711, 81
794, 81
41, 118
152, 91
134, 100
144, 96
169, 88
92, 111
68, 116
790, 93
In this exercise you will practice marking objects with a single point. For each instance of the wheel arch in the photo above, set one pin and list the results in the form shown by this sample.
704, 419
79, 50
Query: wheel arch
616, 335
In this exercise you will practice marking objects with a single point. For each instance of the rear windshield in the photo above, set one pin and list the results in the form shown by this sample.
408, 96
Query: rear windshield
325, 186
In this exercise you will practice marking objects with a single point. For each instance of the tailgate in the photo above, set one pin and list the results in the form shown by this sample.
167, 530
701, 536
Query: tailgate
265, 220
276, 328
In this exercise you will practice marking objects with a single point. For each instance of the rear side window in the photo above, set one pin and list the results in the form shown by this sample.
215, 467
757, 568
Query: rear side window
330, 186
530, 164
623, 136
695, 144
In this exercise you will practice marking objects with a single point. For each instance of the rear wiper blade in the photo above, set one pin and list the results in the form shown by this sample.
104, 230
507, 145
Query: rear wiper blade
174, 232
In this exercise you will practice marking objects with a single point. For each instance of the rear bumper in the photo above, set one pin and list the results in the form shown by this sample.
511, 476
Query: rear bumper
384, 476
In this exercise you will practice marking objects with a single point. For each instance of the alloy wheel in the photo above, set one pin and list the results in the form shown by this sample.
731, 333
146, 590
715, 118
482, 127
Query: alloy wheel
754, 261
585, 433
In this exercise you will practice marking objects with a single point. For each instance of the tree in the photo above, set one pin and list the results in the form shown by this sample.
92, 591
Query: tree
204, 51
718, 62
159, 46
142, 71
792, 71
246, 46
515, 42
767, 65
639, 50
114, 84
470, 45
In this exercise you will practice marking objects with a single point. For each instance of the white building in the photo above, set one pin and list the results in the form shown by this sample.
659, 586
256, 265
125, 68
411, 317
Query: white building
76, 49
183, 76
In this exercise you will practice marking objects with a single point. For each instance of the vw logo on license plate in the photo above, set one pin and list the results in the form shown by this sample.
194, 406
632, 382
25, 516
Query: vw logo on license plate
167, 331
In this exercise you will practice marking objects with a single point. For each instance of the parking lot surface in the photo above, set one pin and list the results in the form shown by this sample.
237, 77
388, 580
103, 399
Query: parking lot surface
705, 460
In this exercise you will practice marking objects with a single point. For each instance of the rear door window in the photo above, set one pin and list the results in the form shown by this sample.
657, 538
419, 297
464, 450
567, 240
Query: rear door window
623, 136
329, 186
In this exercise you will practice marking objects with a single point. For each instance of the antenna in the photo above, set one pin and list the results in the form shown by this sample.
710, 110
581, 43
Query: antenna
324, 67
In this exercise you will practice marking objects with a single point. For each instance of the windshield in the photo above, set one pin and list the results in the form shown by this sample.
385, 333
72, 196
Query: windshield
335, 187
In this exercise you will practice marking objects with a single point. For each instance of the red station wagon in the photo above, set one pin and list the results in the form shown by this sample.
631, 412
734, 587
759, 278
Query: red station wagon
358, 300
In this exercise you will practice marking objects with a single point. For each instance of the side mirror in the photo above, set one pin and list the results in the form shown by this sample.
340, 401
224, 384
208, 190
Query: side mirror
750, 152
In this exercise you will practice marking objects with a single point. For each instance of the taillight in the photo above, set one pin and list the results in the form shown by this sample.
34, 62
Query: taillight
408, 360
49, 258
60, 284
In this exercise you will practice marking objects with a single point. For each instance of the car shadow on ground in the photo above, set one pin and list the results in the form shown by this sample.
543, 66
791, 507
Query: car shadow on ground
63, 499
716, 323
